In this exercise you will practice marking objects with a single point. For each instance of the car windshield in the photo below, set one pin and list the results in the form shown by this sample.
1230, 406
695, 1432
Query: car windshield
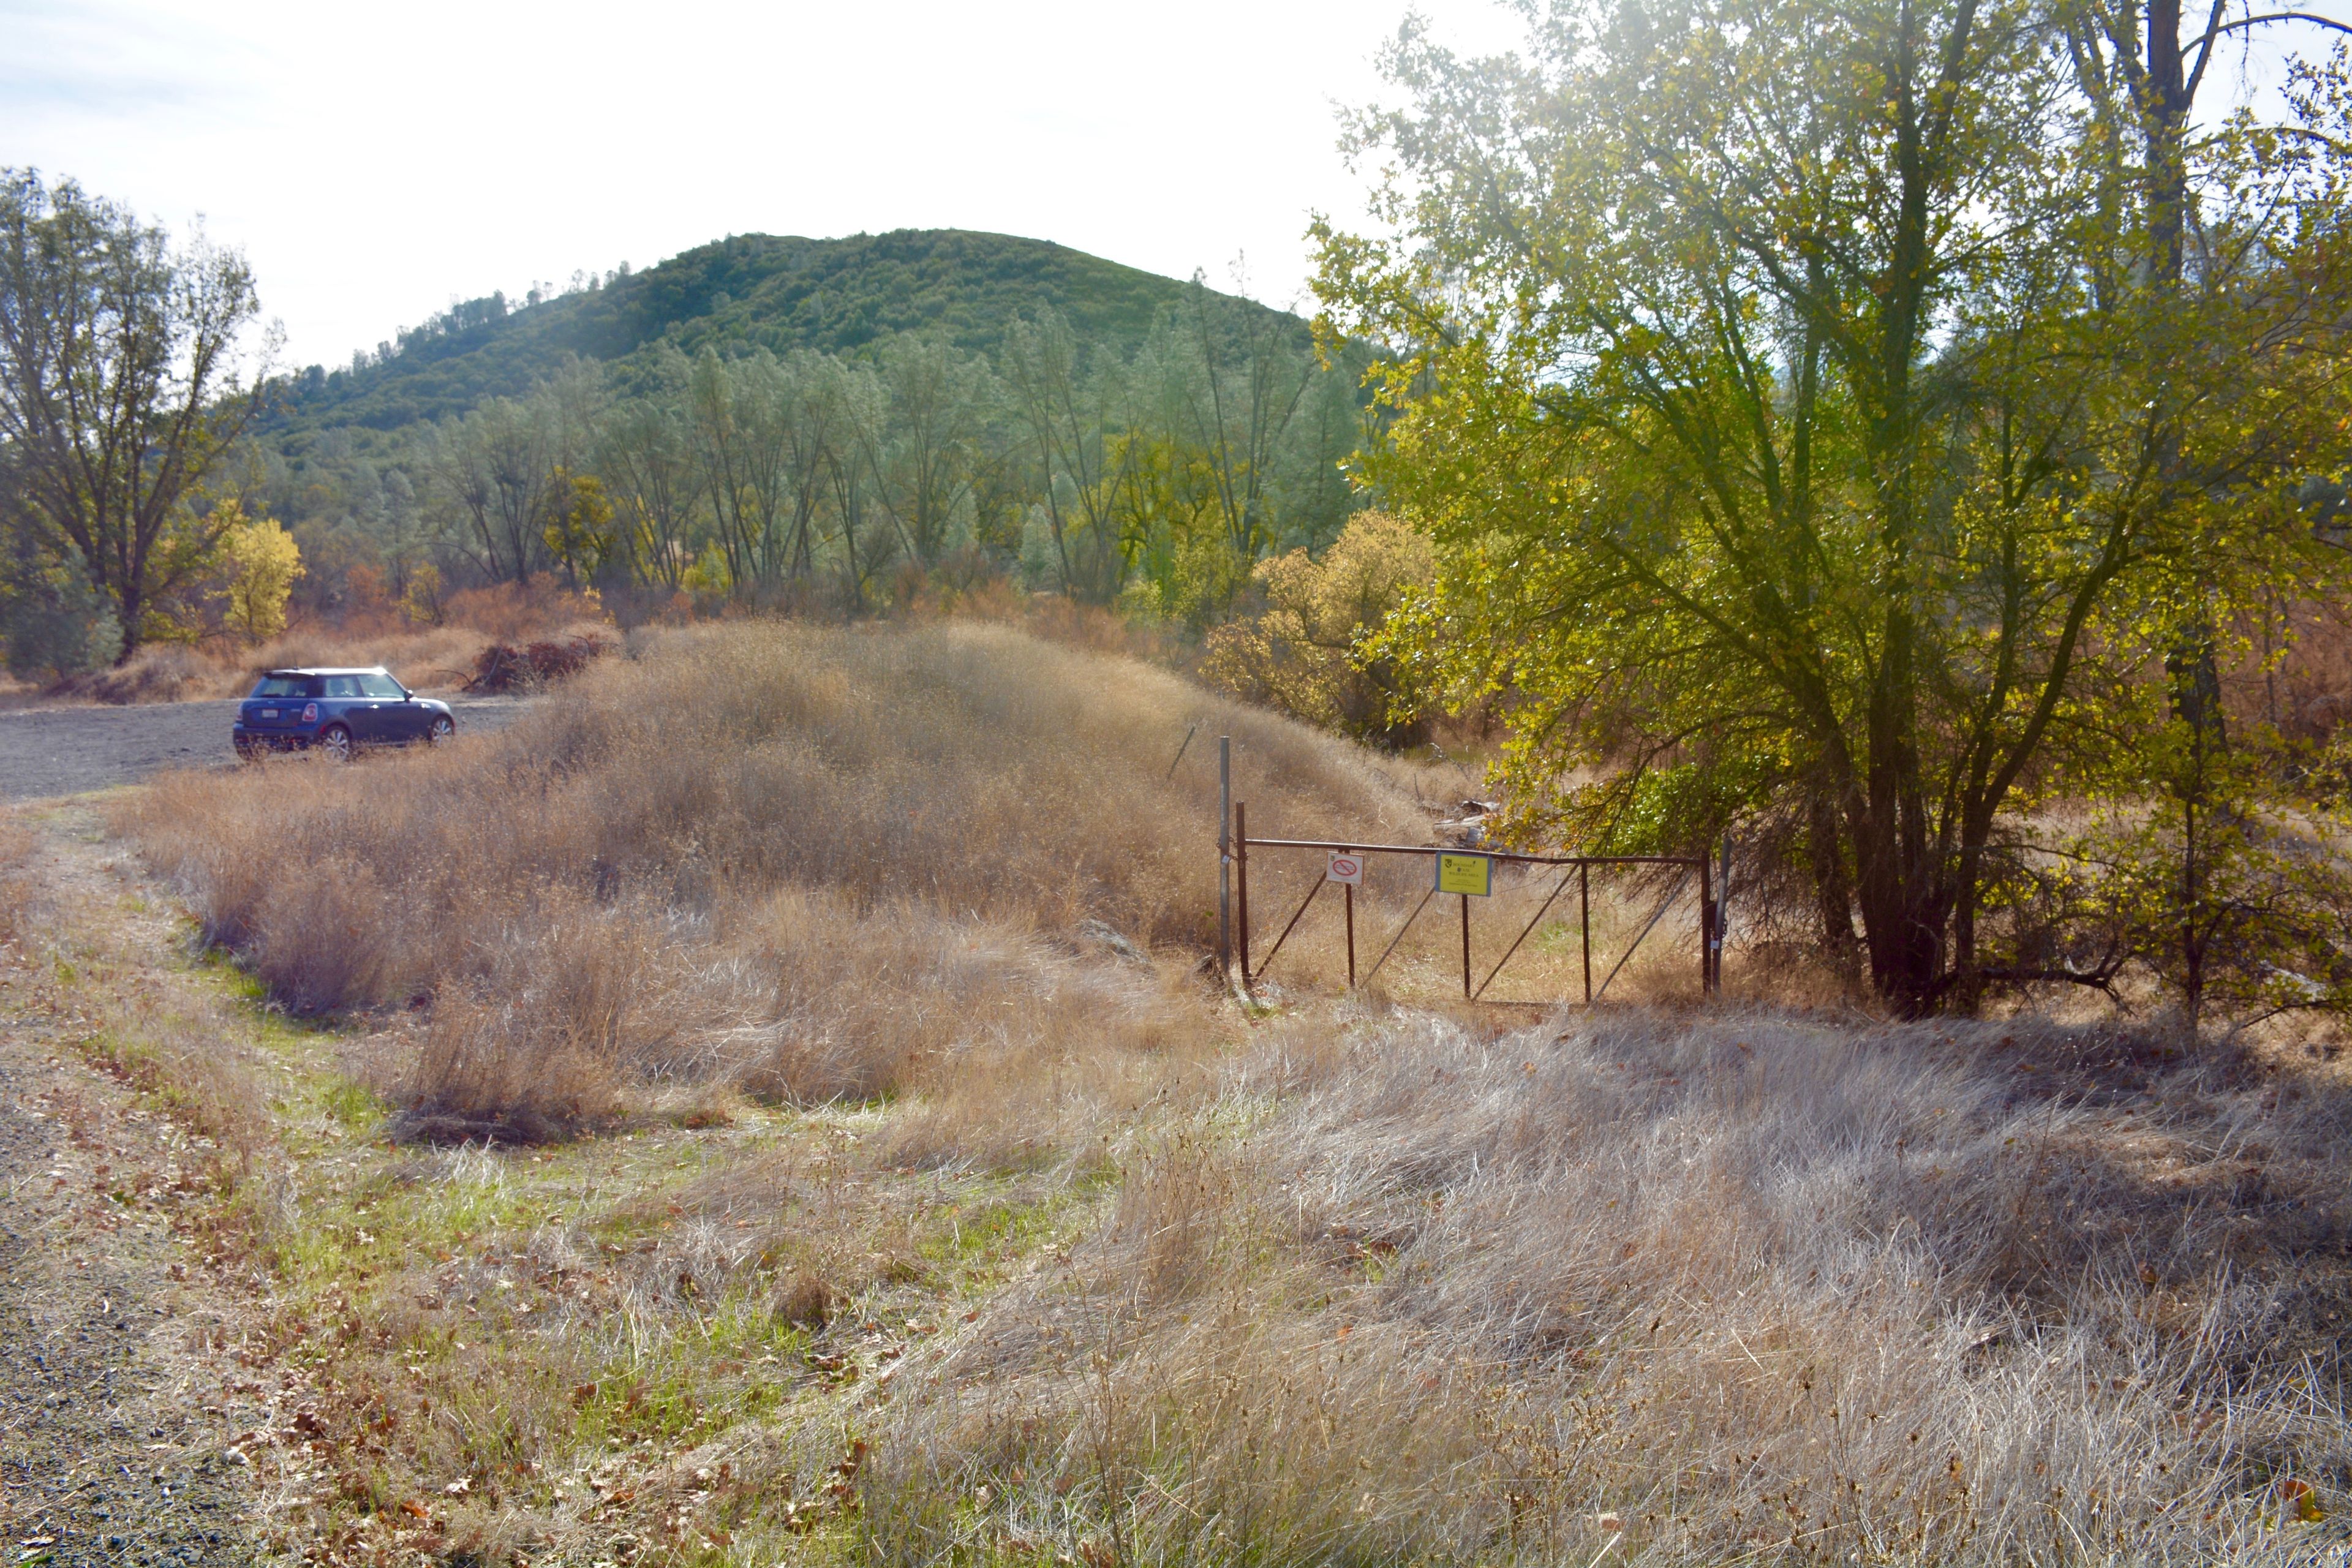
376, 683
287, 685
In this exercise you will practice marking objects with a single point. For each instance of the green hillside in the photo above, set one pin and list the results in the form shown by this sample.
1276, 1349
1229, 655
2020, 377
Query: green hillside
782, 292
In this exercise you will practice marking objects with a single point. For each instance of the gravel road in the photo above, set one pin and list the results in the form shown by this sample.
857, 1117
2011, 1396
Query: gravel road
49, 751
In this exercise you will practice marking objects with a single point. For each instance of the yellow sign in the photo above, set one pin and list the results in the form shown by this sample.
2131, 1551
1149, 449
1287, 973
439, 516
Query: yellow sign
1471, 874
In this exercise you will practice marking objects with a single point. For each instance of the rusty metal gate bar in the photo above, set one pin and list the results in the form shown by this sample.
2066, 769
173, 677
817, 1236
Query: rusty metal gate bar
1710, 953
1555, 893
1288, 929
1657, 915
1399, 932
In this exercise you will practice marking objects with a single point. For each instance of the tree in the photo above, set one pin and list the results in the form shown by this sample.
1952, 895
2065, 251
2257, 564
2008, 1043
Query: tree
862, 409
578, 526
496, 466
1312, 652
1071, 415
646, 452
1251, 375
263, 563
1801, 449
121, 392
928, 457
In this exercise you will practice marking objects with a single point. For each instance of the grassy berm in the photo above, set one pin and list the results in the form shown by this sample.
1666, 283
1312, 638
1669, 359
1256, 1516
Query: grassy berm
767, 1106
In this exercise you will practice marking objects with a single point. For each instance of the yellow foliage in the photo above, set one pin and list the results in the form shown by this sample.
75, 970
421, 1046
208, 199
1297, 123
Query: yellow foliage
421, 602
263, 563
1302, 655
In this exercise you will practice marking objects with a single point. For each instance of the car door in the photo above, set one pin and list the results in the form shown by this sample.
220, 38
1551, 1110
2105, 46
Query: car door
391, 712
343, 704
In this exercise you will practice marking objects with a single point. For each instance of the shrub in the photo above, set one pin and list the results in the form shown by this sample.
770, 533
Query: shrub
52, 621
1302, 654
501, 669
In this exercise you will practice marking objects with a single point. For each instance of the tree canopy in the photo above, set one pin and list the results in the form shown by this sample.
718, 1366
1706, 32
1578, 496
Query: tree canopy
1817, 438
746, 291
122, 398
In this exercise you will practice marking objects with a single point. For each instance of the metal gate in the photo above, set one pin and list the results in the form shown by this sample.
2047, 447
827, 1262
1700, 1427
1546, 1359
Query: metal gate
1467, 873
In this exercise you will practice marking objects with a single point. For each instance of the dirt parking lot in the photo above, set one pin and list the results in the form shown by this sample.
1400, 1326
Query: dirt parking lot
48, 752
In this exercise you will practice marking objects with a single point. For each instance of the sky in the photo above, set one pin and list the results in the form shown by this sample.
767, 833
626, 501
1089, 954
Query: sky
375, 162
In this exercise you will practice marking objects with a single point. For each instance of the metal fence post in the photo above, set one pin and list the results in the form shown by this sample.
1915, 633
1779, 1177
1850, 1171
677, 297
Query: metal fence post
1224, 858
1584, 921
1465, 945
1348, 896
1241, 888
1705, 926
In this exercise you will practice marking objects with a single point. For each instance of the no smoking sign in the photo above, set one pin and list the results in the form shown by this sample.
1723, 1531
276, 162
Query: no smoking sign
1348, 868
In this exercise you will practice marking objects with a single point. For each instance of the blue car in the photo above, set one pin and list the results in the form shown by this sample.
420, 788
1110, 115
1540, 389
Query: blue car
336, 710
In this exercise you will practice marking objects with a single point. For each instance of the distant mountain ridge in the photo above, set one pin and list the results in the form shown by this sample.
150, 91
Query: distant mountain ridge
781, 292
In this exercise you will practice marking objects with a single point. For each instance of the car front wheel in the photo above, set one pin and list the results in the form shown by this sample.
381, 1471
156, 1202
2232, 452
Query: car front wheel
442, 730
336, 742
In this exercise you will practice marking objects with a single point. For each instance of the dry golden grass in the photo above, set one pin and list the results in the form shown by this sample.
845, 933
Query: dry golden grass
806, 863
21, 902
1043, 1251
1730, 1288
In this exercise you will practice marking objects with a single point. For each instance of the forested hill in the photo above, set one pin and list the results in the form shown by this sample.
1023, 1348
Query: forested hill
784, 292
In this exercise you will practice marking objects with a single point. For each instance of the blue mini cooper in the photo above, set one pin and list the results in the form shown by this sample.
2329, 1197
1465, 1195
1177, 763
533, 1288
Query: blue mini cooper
336, 710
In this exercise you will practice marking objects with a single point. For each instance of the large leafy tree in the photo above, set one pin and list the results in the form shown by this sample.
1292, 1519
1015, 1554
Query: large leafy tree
1809, 440
122, 392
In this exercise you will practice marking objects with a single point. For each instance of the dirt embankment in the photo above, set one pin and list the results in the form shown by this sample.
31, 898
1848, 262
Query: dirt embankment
48, 752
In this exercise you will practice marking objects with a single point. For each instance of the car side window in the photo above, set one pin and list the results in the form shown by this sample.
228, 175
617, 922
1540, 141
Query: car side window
342, 686
379, 684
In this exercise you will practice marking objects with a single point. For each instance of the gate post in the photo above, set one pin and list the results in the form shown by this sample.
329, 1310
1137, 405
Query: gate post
1225, 858
1705, 926
1584, 921
1348, 894
1241, 888
1465, 945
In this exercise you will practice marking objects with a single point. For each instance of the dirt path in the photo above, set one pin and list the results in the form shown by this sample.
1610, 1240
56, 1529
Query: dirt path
113, 1427
46, 752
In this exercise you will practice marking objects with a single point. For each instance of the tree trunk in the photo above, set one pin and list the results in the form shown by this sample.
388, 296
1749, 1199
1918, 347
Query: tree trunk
1833, 889
134, 610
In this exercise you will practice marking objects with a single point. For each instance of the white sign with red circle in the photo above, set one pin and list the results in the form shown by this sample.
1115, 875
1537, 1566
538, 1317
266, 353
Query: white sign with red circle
1348, 868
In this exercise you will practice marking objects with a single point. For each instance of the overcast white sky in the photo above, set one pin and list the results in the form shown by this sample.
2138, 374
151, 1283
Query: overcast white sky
375, 161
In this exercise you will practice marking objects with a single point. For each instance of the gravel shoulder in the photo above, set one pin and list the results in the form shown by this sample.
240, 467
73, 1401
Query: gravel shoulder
48, 752
114, 1417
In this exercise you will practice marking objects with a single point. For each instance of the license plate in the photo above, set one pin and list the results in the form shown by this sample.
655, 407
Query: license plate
269, 712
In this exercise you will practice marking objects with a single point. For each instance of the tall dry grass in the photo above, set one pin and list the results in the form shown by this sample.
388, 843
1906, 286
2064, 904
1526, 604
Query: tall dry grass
807, 862
1729, 1289
1350, 1284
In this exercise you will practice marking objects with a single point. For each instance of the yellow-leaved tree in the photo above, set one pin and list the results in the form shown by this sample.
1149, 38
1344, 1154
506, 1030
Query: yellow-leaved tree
1305, 653
263, 563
